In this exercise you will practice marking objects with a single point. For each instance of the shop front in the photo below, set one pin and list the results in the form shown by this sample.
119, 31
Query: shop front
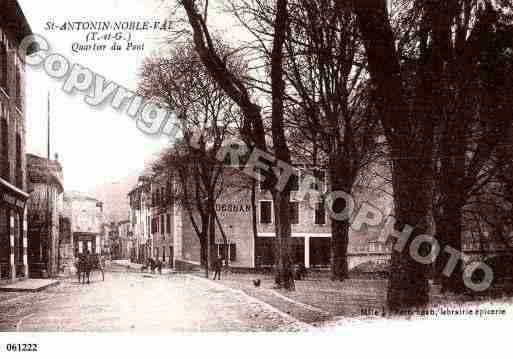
13, 232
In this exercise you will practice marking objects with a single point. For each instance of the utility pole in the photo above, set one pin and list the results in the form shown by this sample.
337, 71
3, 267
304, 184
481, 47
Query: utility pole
48, 208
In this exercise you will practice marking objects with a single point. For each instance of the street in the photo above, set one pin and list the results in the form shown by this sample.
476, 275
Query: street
129, 301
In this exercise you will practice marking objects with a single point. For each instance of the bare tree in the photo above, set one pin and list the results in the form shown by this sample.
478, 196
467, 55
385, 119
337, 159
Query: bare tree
206, 116
409, 116
325, 67
253, 127
477, 99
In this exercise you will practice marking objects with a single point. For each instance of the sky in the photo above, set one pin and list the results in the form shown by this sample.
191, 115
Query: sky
94, 145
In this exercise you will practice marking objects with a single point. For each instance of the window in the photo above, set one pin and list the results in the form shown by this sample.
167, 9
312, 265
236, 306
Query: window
320, 177
3, 67
233, 252
261, 178
294, 212
294, 181
320, 213
168, 224
266, 212
153, 225
6, 168
170, 192
162, 224
18, 87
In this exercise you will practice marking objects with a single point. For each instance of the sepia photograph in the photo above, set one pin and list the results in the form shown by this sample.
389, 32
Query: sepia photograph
224, 177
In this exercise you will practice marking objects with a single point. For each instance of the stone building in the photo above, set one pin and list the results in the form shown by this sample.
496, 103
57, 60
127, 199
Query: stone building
161, 218
163, 228
113, 240
86, 218
13, 181
44, 215
140, 219
125, 239
241, 247
235, 238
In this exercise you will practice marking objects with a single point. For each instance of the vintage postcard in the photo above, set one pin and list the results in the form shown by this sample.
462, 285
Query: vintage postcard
174, 170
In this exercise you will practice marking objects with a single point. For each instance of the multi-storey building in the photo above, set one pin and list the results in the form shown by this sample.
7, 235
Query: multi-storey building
163, 228
86, 218
112, 229
161, 218
237, 215
140, 219
235, 237
44, 215
104, 239
125, 239
13, 184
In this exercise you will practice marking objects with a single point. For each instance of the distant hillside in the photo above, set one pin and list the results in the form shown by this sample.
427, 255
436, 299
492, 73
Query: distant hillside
114, 196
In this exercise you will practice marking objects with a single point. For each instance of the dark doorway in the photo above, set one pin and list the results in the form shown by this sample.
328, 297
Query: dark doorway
319, 251
5, 248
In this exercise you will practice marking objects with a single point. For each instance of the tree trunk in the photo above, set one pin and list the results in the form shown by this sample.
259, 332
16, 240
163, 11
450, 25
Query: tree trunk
339, 243
408, 286
210, 241
212, 237
204, 251
449, 226
411, 146
284, 276
341, 179
254, 221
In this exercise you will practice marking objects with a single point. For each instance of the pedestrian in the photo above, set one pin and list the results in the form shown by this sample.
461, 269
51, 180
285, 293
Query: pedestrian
218, 263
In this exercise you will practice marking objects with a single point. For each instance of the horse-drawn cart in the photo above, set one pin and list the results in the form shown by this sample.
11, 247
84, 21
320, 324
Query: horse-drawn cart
88, 263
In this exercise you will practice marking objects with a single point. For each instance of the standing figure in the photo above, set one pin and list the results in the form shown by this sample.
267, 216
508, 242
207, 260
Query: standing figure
218, 263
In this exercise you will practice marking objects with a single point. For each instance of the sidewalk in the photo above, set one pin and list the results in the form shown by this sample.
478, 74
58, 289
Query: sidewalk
316, 299
29, 285
321, 302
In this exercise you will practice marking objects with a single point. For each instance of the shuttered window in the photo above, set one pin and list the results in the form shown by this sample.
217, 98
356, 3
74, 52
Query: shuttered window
265, 212
294, 212
3, 67
5, 170
320, 213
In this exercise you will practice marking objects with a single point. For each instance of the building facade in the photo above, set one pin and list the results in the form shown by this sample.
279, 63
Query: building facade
235, 239
242, 247
140, 219
125, 239
44, 215
13, 181
161, 218
86, 218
